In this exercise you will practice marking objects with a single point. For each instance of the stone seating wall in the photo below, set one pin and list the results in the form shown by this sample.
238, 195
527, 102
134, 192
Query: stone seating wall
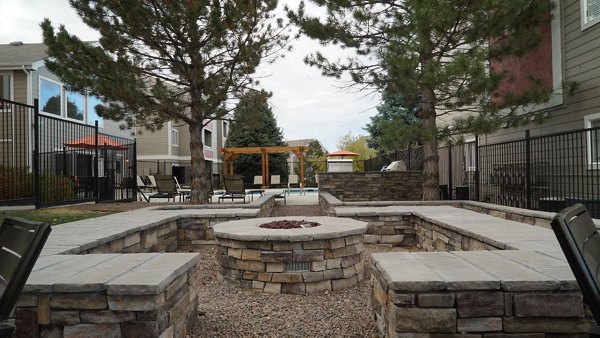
492, 272
109, 276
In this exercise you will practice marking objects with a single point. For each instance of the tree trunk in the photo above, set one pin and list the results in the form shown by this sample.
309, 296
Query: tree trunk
431, 171
200, 185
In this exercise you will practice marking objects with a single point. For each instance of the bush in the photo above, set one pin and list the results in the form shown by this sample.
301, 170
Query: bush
18, 183
56, 188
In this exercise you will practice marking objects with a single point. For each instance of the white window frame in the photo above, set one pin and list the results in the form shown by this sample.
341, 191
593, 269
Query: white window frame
587, 120
174, 137
12, 88
470, 153
204, 130
585, 22
62, 97
65, 104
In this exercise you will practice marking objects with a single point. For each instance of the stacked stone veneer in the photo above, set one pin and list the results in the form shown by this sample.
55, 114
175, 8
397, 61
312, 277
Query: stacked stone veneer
490, 295
139, 303
373, 186
121, 286
432, 236
256, 258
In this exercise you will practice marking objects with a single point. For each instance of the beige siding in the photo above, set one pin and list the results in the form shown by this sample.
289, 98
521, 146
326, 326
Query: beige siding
152, 143
184, 141
581, 52
20, 90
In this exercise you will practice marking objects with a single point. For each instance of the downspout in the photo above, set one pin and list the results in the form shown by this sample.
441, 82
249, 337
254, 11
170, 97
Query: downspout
29, 115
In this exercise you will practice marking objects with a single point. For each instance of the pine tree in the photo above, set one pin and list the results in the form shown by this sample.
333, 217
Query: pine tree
254, 125
434, 53
315, 162
395, 126
167, 60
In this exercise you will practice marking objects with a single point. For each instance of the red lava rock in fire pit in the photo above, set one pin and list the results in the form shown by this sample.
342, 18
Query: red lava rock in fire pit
292, 224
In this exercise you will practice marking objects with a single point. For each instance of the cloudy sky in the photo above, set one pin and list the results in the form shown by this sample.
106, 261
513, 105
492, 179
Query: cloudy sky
306, 104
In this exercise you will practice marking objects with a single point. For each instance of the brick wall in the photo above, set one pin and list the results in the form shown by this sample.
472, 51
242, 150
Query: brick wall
373, 186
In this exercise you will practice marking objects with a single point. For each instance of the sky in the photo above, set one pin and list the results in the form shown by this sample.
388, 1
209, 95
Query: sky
306, 104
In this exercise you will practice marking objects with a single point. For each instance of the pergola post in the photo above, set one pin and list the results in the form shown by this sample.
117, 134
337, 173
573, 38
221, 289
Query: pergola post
231, 153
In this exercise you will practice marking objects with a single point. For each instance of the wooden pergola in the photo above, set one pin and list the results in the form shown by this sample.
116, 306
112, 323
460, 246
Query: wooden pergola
230, 154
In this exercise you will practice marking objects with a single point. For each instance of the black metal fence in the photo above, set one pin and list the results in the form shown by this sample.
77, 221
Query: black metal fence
545, 173
61, 162
17, 182
412, 157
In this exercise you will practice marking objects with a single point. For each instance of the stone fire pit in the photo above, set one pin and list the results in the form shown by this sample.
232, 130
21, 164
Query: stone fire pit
326, 256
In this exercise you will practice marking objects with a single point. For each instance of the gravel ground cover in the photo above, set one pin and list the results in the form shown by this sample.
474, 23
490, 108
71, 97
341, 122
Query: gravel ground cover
230, 312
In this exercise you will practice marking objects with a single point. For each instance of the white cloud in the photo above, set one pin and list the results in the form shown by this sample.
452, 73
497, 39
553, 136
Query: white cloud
306, 104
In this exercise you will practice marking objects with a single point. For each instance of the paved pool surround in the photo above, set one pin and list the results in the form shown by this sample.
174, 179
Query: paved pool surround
294, 261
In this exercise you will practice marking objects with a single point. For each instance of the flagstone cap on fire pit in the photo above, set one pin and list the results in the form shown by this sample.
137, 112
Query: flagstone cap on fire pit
250, 230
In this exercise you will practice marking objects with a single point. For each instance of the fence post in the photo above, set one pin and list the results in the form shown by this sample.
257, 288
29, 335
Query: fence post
96, 163
134, 171
527, 169
449, 171
36, 152
477, 168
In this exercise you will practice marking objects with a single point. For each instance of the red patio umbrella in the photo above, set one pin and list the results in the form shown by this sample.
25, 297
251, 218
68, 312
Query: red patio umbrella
90, 142
342, 153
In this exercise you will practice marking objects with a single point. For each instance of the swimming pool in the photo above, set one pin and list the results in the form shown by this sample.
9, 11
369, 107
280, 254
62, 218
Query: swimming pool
307, 191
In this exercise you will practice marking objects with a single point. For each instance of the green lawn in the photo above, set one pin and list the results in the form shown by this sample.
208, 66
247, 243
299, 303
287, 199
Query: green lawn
54, 215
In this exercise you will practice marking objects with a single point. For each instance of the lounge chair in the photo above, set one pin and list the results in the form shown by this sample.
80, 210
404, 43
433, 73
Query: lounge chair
21, 242
580, 242
293, 181
234, 188
275, 181
258, 188
166, 188
182, 191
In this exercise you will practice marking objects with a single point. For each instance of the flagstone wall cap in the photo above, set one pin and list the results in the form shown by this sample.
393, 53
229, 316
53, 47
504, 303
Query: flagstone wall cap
249, 230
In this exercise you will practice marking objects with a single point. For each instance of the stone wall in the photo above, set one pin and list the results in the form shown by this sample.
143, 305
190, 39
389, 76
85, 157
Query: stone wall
433, 237
169, 310
373, 186
111, 313
334, 264
389, 229
478, 313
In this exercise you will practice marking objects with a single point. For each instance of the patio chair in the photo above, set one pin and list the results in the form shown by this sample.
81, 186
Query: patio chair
293, 181
21, 242
234, 188
275, 181
182, 191
580, 242
166, 188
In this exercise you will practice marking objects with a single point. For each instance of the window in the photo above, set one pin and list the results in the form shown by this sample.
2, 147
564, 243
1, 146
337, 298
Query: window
50, 97
75, 105
470, 158
593, 140
175, 137
5, 91
92, 116
225, 129
590, 13
207, 138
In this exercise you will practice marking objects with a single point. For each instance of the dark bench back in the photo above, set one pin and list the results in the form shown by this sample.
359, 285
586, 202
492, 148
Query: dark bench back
21, 242
580, 242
